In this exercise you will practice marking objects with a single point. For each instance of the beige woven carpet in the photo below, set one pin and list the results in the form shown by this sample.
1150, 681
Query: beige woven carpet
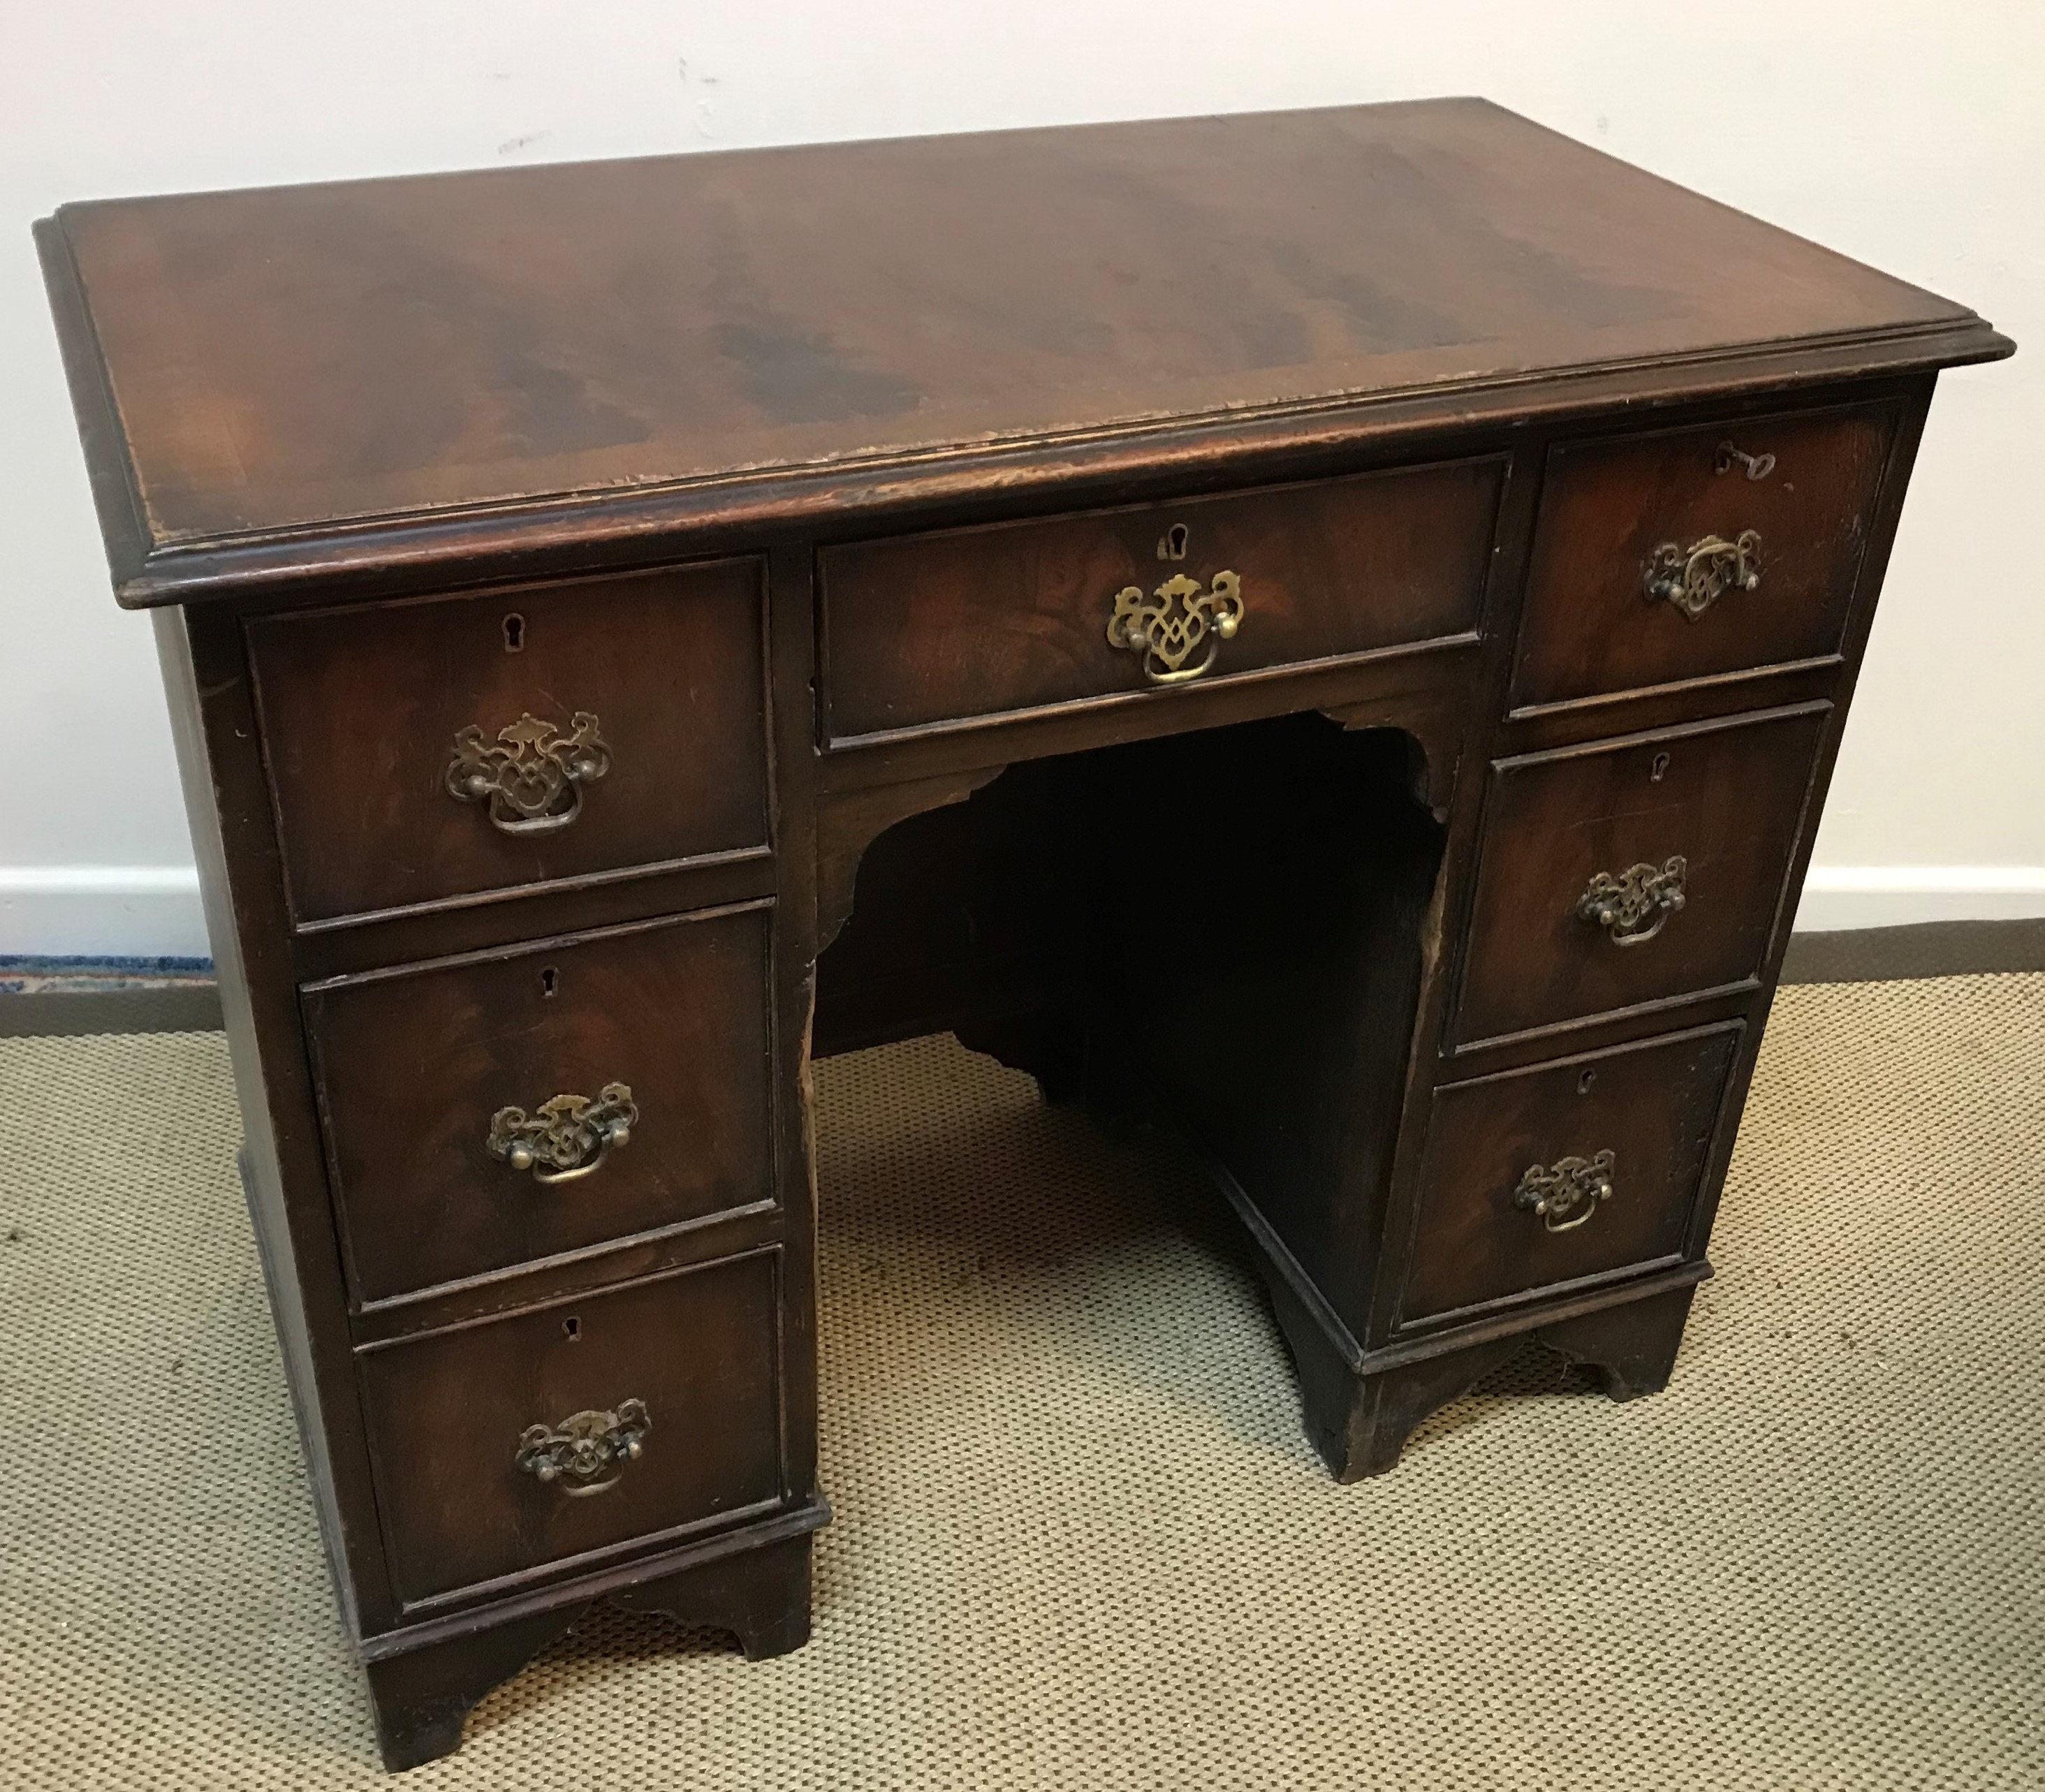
1080, 1541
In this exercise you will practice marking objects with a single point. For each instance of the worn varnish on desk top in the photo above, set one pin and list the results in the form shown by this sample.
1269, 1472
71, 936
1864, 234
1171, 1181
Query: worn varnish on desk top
288, 359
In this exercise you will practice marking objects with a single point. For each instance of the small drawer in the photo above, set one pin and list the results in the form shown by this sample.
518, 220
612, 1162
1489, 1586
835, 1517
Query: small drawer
1627, 590
1632, 871
423, 752
1540, 1178
936, 628
576, 1428
415, 1067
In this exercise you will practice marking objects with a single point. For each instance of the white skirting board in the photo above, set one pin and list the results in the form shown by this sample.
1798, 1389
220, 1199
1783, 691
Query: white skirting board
100, 911
122, 911
1837, 896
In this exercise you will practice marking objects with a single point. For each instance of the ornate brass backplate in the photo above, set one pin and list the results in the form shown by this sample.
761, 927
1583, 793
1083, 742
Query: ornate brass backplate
1565, 1193
532, 775
1633, 907
569, 1137
1168, 627
586, 1451
1693, 580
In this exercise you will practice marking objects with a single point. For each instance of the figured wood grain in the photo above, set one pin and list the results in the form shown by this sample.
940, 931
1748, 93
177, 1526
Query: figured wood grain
360, 709
921, 629
1589, 629
1727, 798
1653, 1106
445, 1414
412, 1065
282, 358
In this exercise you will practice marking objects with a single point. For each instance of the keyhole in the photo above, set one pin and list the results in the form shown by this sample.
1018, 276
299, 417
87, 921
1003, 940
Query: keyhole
1583, 1082
1659, 769
571, 1330
550, 980
514, 634
1173, 545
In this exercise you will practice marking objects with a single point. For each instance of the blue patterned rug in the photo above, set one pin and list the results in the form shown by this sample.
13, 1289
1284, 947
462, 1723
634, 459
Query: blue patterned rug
35, 975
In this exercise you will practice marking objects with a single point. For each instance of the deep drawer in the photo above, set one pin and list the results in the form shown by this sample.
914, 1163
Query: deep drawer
379, 722
1509, 1205
413, 1066
1592, 627
1621, 830
686, 1363
945, 627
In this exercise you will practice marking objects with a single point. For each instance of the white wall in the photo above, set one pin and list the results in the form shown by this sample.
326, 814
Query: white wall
1906, 132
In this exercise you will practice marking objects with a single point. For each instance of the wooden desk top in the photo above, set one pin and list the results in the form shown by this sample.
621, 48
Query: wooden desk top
420, 365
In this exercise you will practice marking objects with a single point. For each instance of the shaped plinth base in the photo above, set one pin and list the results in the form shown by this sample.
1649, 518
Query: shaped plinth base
1359, 1421
423, 1695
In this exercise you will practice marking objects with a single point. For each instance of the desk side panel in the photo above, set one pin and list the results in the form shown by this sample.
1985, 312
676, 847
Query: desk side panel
240, 884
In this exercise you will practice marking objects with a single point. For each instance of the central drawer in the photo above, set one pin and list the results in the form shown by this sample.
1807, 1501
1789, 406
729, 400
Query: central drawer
932, 629
669, 1386
432, 1077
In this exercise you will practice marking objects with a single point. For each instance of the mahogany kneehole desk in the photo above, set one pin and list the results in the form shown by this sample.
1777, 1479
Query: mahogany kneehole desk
1323, 632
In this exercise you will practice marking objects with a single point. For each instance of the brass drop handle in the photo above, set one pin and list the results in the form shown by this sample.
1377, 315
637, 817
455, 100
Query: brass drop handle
587, 1452
532, 776
570, 1136
1696, 577
1635, 906
1566, 1194
1170, 625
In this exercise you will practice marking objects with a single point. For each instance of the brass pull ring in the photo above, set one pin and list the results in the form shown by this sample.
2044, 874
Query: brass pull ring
1695, 579
569, 1137
1635, 905
1170, 625
586, 1451
1567, 1193
532, 775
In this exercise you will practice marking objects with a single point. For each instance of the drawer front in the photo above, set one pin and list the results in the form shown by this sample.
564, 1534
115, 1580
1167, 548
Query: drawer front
460, 1480
1683, 838
371, 714
415, 1067
1510, 1205
1590, 626
975, 622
